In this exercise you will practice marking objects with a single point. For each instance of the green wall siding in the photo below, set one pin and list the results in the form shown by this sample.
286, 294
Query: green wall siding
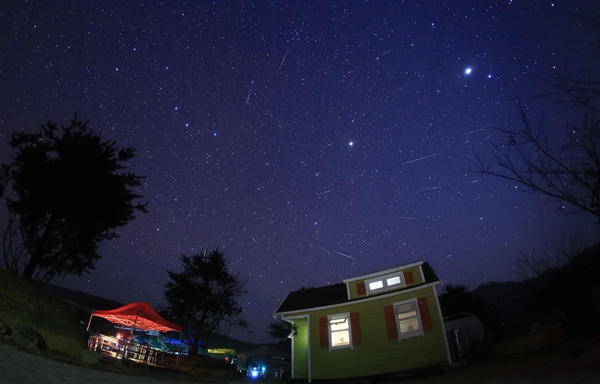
300, 352
377, 354
416, 273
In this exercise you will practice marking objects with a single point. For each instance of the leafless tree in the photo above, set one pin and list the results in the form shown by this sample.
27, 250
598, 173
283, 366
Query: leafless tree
569, 172
558, 253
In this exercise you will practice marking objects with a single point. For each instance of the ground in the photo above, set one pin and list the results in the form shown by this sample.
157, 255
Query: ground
65, 335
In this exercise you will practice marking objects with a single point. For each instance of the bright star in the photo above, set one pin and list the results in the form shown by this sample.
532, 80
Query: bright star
468, 71
351, 143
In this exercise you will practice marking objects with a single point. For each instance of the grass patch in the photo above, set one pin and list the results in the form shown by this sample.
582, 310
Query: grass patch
53, 318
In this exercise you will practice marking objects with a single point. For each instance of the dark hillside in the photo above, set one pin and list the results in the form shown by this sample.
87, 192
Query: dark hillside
86, 303
82, 298
53, 318
564, 294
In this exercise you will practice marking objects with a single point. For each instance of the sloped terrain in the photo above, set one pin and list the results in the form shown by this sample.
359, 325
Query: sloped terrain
25, 303
65, 334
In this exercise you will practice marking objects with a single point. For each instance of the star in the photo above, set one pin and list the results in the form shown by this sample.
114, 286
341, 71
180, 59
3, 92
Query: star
403, 192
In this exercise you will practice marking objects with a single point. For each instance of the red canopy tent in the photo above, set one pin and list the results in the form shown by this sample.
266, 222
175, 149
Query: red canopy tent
137, 315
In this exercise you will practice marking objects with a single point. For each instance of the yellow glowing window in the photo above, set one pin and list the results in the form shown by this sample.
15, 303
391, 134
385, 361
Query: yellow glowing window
409, 321
339, 329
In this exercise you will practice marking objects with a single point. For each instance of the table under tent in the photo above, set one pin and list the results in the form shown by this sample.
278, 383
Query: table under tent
138, 336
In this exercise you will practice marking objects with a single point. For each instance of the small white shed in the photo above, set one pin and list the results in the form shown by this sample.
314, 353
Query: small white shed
466, 334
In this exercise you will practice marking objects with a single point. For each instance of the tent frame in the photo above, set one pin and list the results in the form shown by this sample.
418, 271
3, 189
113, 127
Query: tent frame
138, 308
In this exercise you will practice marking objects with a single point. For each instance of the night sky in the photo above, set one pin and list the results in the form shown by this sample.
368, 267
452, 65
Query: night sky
309, 141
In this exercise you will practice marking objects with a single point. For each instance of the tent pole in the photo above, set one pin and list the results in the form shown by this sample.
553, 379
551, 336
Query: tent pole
119, 341
126, 351
89, 322
178, 350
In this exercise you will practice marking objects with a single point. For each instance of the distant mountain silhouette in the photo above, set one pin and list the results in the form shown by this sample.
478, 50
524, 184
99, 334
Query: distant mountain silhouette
564, 292
86, 302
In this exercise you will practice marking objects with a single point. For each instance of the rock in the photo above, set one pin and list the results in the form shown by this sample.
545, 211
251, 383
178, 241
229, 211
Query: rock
4, 329
27, 337
92, 357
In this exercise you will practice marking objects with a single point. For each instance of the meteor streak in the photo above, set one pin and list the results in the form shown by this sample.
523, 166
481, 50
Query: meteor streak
339, 253
247, 99
421, 158
282, 62
328, 145
468, 133
327, 191
343, 254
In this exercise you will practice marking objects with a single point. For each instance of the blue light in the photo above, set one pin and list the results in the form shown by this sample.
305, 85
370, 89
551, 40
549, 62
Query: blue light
254, 372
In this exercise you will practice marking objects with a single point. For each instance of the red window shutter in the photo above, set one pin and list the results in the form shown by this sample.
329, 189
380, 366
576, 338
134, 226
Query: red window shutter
356, 333
425, 314
361, 288
390, 320
409, 278
323, 332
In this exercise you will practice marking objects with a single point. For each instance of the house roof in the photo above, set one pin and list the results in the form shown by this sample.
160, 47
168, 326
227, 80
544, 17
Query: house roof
429, 274
314, 297
379, 272
334, 294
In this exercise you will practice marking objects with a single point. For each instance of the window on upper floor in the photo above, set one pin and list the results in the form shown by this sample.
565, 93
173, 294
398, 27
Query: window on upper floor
384, 283
339, 331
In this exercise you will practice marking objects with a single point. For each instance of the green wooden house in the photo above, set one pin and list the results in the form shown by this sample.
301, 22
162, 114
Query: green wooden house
383, 322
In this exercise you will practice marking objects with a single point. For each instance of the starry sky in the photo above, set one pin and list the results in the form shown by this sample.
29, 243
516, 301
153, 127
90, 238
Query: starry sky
310, 141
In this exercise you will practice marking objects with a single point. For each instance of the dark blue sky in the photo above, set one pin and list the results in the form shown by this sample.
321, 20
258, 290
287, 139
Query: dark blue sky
309, 141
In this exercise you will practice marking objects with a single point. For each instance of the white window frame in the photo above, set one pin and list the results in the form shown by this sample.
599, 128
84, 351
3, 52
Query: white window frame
384, 282
414, 333
330, 332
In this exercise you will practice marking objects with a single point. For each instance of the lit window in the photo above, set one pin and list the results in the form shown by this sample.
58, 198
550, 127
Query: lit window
409, 320
339, 330
384, 283
375, 285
